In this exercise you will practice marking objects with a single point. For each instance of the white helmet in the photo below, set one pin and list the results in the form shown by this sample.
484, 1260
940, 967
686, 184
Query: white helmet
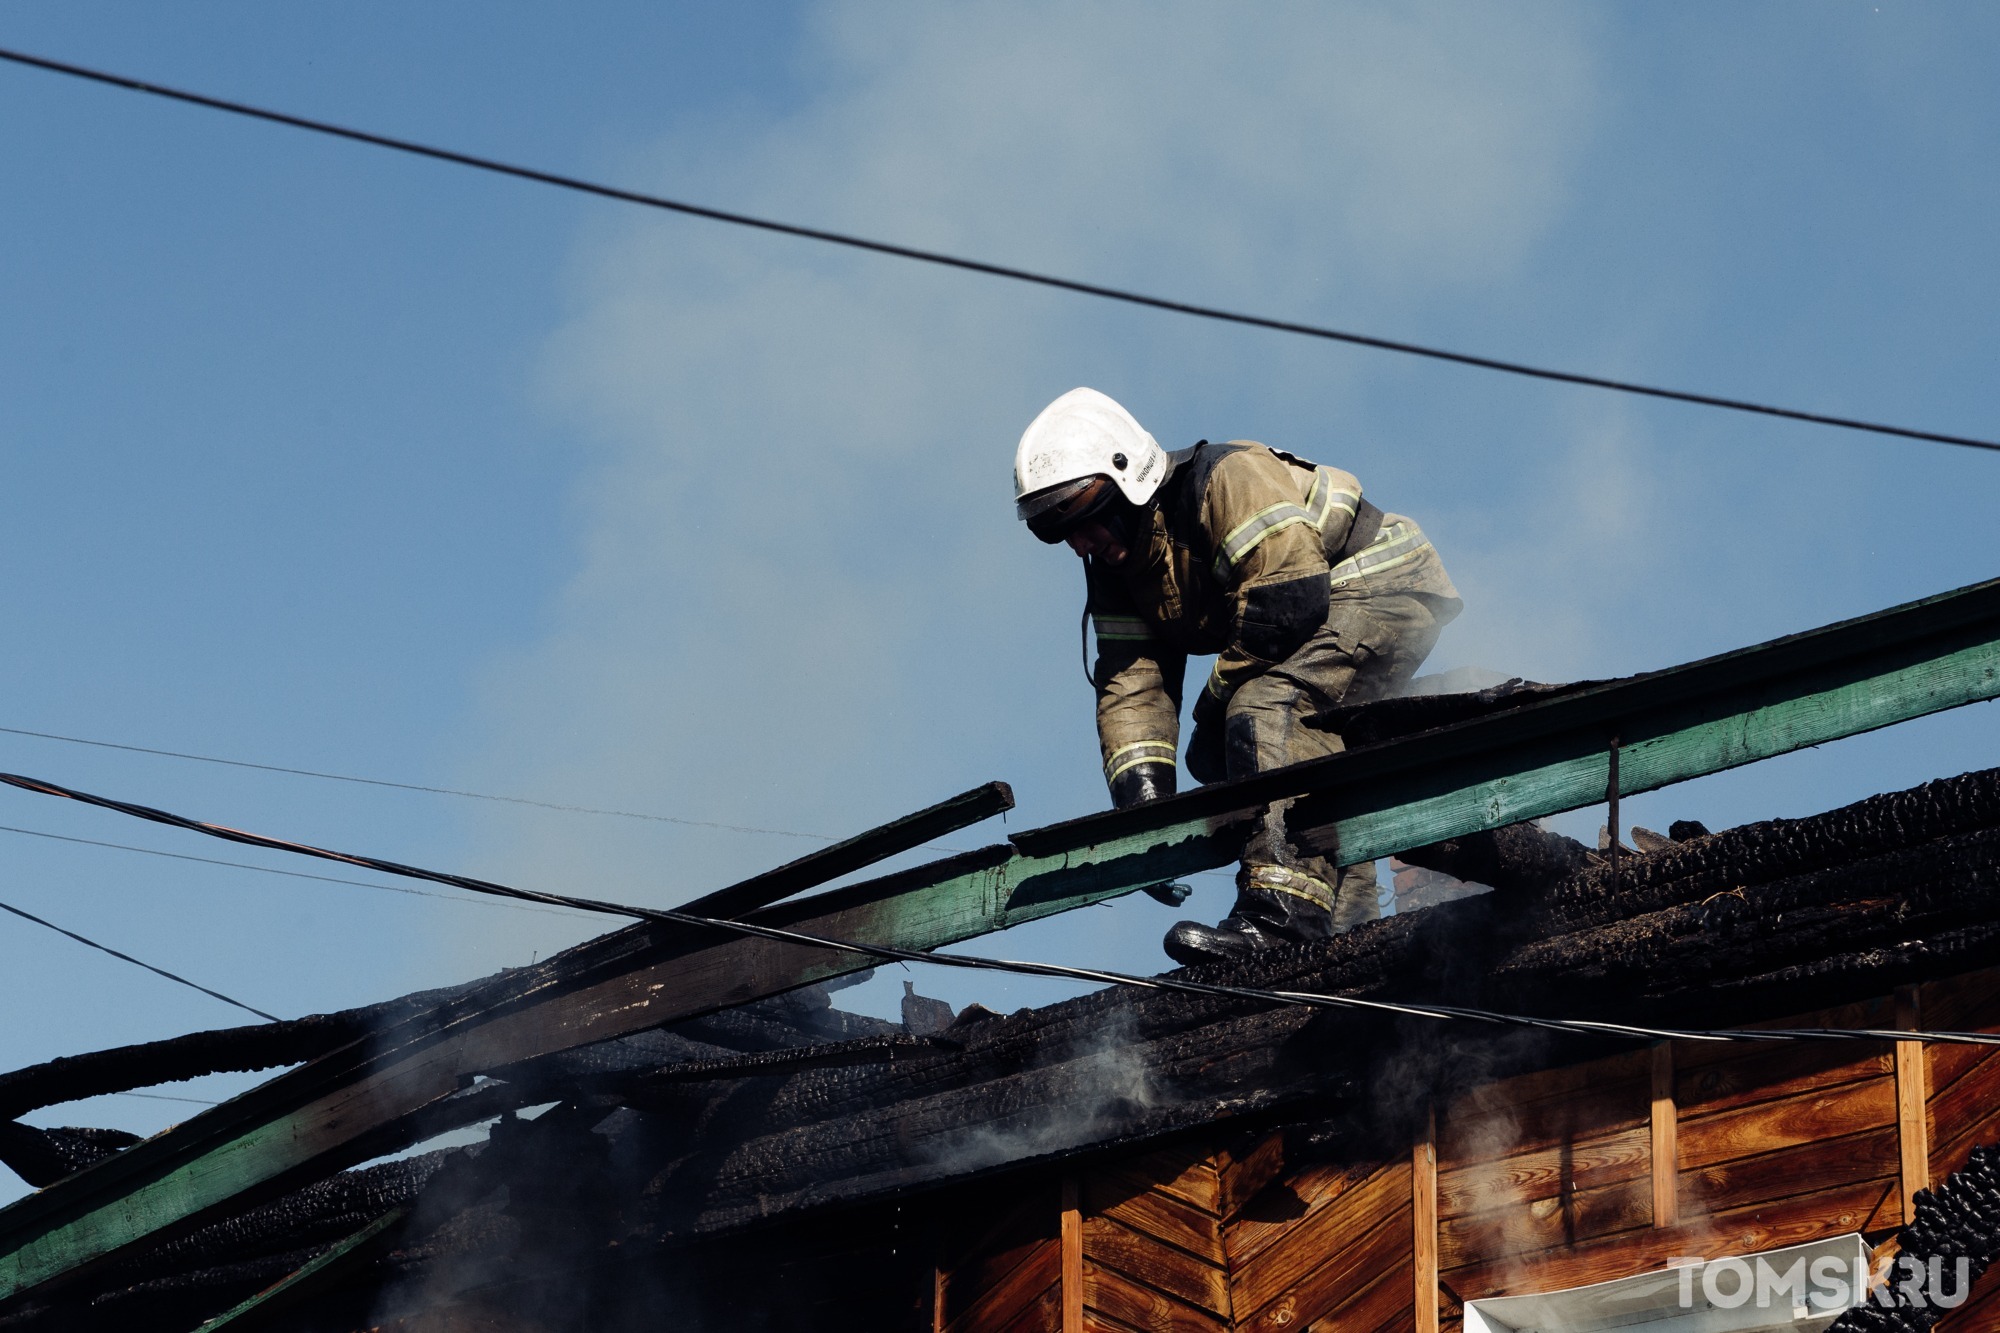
1082, 435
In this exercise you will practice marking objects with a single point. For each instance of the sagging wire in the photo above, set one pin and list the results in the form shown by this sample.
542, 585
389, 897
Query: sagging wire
980, 266
139, 962
420, 787
413, 786
1307, 999
289, 874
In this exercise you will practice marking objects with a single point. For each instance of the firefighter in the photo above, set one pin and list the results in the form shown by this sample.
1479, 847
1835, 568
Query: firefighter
1307, 595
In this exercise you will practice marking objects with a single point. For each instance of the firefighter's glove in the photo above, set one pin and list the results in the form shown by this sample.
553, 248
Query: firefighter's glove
1204, 752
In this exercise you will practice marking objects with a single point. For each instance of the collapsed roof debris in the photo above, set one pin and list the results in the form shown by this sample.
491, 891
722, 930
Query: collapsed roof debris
702, 1088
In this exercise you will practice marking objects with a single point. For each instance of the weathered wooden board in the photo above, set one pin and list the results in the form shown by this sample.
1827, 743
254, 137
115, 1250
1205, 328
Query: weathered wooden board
1815, 1164
1026, 1296
1323, 1236
1110, 1296
1524, 1178
1764, 1226
1820, 1113
1376, 1247
1154, 1213
1200, 1282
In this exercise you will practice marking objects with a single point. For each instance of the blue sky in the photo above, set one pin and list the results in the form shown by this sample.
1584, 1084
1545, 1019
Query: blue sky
317, 456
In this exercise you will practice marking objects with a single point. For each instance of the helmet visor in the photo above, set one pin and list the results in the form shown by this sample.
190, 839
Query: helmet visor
1056, 511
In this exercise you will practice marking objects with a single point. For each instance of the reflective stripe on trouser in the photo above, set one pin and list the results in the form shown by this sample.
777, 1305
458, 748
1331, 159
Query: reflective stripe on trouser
1368, 648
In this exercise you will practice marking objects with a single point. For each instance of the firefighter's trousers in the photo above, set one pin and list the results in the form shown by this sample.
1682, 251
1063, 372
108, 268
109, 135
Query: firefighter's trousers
1369, 648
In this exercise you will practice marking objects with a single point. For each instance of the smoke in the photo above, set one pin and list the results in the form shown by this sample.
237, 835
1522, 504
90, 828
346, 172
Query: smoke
1104, 1085
800, 598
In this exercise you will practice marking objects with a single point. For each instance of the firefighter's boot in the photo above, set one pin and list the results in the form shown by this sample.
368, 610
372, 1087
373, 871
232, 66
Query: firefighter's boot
1274, 905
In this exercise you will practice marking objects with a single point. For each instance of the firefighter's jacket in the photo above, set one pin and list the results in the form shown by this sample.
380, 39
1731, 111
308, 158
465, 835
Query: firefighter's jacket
1249, 549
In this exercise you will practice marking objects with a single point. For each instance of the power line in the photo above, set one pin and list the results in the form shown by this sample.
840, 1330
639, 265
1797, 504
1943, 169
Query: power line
936, 257
126, 957
289, 874
1308, 999
413, 786
398, 786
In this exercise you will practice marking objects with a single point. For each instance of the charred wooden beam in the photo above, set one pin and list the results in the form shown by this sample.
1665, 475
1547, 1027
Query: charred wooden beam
1519, 858
858, 852
1897, 888
370, 1096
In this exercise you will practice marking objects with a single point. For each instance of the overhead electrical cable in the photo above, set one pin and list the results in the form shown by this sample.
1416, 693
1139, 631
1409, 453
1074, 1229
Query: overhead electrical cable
981, 266
136, 962
289, 874
412, 786
1308, 999
398, 786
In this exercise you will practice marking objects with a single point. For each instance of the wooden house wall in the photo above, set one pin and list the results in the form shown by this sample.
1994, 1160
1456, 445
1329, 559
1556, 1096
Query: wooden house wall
1548, 1179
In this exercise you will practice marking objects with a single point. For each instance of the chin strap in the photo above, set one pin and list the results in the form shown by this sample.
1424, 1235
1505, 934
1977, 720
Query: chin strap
1083, 629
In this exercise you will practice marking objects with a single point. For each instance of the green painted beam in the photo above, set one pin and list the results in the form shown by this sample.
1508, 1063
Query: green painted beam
1528, 761
1659, 744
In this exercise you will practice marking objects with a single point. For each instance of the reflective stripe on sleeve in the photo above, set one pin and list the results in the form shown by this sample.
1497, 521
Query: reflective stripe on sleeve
1323, 501
1325, 498
1245, 536
1398, 544
1138, 752
1128, 628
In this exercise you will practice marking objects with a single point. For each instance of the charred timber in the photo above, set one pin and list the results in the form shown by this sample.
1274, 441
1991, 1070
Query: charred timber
1880, 892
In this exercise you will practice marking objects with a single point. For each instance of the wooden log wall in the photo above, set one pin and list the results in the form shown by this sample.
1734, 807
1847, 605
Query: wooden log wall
1543, 1180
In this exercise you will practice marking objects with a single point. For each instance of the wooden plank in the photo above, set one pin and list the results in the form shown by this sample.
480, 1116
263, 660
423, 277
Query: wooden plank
1764, 1127
1548, 756
1240, 1178
1010, 1241
1330, 1230
1281, 1208
1765, 1073
858, 852
1180, 1170
1424, 1227
1818, 1164
1666, 1168
1767, 1226
1152, 1264
1072, 1258
1965, 1115
1381, 1307
1520, 1179
1967, 1002
1377, 1250
1912, 1111
1592, 1112
1110, 1295
1508, 1095
1154, 1212
1023, 1287
1564, 1220
1043, 1314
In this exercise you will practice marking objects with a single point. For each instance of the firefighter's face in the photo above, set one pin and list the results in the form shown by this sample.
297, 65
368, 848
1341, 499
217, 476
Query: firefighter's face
1096, 538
